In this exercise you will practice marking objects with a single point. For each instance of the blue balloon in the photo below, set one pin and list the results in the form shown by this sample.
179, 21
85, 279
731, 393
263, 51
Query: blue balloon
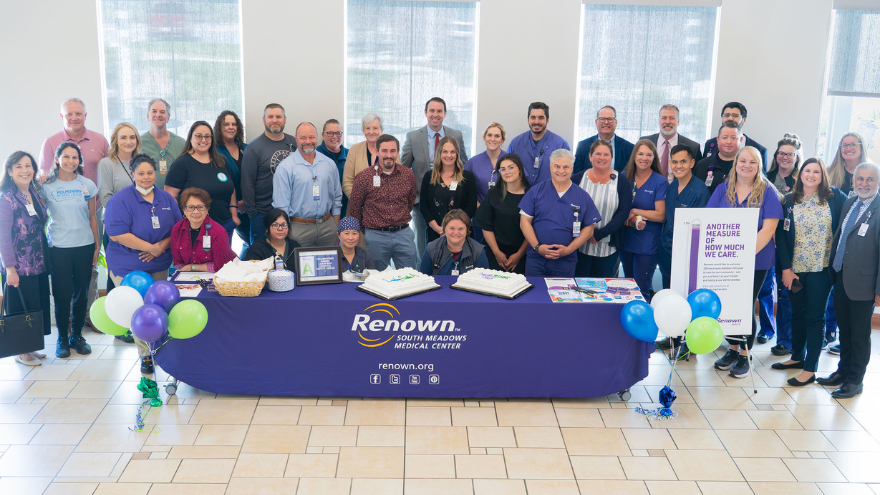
637, 318
704, 302
139, 281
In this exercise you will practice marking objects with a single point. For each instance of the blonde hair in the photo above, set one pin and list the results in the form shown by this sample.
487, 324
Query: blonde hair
837, 170
500, 128
459, 167
759, 183
114, 141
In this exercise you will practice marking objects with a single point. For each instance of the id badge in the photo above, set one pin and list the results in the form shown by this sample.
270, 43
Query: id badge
576, 229
455, 272
377, 181
537, 162
155, 222
709, 179
491, 184
786, 224
453, 186
316, 191
863, 229
163, 167
206, 243
85, 191
31, 210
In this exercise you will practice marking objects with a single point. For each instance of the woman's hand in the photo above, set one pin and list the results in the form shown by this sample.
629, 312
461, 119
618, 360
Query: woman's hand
592, 240
146, 257
95, 257
512, 261
641, 225
12, 277
156, 250
788, 277
501, 258
236, 220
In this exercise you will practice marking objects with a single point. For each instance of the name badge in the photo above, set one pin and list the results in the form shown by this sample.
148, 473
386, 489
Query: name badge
537, 162
453, 186
377, 181
85, 191
163, 167
31, 210
786, 224
455, 272
863, 229
316, 191
576, 228
491, 184
709, 179
206, 243
155, 221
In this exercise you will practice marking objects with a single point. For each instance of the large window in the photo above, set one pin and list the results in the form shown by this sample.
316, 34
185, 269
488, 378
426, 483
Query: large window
852, 98
186, 52
638, 58
399, 54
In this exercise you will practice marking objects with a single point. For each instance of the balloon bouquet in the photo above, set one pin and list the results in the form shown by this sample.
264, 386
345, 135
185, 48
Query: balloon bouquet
695, 318
148, 308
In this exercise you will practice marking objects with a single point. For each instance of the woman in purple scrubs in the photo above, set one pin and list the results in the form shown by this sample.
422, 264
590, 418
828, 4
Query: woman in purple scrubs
483, 166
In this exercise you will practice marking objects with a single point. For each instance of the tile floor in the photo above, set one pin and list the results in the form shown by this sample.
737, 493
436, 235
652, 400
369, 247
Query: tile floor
65, 429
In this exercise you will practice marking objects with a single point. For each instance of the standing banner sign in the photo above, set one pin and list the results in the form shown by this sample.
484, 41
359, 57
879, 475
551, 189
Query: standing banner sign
714, 248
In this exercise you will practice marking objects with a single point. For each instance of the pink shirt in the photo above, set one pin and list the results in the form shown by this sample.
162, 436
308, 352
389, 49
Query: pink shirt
94, 146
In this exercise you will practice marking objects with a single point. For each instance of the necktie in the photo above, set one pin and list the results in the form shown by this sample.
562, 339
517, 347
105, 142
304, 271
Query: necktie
664, 157
841, 244
436, 141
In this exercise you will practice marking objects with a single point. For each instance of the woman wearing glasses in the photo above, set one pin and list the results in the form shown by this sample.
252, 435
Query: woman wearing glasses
198, 243
201, 165
850, 153
276, 242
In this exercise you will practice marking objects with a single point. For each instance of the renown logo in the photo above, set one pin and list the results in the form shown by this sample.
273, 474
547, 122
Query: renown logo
364, 323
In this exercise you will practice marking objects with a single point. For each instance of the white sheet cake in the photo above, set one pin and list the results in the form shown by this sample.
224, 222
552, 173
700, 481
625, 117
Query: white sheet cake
493, 282
396, 283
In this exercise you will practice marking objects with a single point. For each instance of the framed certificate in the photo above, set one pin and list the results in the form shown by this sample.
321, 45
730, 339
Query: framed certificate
318, 265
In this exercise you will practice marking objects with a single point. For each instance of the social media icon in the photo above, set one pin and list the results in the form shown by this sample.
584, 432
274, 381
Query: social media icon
433, 379
375, 379
394, 379
413, 379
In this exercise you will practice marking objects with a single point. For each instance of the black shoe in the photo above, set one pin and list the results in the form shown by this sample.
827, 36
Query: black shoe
847, 391
683, 353
127, 338
831, 380
834, 349
794, 382
62, 348
147, 365
793, 366
663, 345
741, 369
780, 350
763, 338
80, 345
726, 361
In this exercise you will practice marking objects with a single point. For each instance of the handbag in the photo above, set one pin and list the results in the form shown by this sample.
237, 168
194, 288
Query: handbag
22, 332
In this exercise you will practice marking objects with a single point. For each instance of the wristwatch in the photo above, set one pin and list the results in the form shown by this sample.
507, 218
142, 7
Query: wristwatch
537, 246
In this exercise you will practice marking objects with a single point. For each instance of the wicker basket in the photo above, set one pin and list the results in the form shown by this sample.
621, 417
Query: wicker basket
239, 289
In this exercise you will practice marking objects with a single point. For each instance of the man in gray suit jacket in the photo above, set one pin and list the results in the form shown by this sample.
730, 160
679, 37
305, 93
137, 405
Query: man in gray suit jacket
418, 154
669, 131
855, 263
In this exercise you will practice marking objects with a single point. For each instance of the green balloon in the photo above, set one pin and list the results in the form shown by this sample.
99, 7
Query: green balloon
704, 335
187, 319
101, 321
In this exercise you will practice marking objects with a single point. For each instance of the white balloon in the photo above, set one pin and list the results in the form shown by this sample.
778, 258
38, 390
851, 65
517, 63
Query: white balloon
661, 295
121, 304
673, 315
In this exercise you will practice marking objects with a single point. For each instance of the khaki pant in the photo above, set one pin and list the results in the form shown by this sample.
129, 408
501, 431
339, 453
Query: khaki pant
143, 347
315, 234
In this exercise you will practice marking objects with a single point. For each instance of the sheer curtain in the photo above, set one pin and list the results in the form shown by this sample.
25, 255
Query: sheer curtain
399, 54
186, 52
854, 69
637, 58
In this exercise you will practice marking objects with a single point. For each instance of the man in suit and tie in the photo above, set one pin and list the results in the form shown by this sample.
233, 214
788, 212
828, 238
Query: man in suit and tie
606, 124
418, 154
855, 264
735, 112
668, 137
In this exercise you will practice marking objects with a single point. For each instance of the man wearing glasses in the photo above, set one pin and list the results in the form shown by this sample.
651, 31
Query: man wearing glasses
606, 124
160, 144
556, 218
332, 148
735, 112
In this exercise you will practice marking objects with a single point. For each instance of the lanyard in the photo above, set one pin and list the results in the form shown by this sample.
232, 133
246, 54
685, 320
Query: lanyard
126, 171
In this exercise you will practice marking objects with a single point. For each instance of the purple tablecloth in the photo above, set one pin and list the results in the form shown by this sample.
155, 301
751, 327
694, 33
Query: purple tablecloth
333, 340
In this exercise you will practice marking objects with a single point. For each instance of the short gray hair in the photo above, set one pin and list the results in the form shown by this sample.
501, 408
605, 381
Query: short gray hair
154, 100
873, 166
614, 110
670, 106
561, 153
371, 117
65, 102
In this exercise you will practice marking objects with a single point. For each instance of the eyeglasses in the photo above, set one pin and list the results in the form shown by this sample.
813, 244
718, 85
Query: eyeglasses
785, 155
279, 226
849, 146
195, 208
729, 115
203, 137
605, 120
336, 134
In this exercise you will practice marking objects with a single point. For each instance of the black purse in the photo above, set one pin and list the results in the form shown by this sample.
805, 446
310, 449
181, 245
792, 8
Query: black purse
20, 333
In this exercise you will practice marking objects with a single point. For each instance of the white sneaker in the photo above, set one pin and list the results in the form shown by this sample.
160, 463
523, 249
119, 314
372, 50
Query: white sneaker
28, 360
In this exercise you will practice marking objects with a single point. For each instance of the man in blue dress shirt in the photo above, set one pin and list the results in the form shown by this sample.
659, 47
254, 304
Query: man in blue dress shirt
535, 145
306, 186
606, 124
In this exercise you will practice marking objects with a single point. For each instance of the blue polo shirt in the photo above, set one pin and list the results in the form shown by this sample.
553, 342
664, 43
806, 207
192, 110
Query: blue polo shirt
553, 217
128, 212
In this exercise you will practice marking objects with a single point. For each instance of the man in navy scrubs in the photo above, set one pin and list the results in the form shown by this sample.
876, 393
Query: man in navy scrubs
556, 218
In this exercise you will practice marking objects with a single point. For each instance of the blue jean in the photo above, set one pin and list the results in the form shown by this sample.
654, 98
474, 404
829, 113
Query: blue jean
808, 320
385, 247
597, 266
257, 230
539, 266
781, 324
641, 268
830, 317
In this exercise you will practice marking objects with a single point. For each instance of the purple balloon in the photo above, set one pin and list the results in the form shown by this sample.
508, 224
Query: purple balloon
149, 323
163, 294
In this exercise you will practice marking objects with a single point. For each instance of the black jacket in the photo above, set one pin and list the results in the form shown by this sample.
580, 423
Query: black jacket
785, 238
261, 250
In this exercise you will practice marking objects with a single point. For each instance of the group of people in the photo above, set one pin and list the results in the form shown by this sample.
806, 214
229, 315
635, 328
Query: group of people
157, 201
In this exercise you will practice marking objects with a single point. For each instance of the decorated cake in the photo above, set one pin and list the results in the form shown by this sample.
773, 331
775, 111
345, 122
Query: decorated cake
493, 282
392, 284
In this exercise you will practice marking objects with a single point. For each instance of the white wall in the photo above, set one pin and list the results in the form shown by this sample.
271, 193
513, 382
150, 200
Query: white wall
771, 57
